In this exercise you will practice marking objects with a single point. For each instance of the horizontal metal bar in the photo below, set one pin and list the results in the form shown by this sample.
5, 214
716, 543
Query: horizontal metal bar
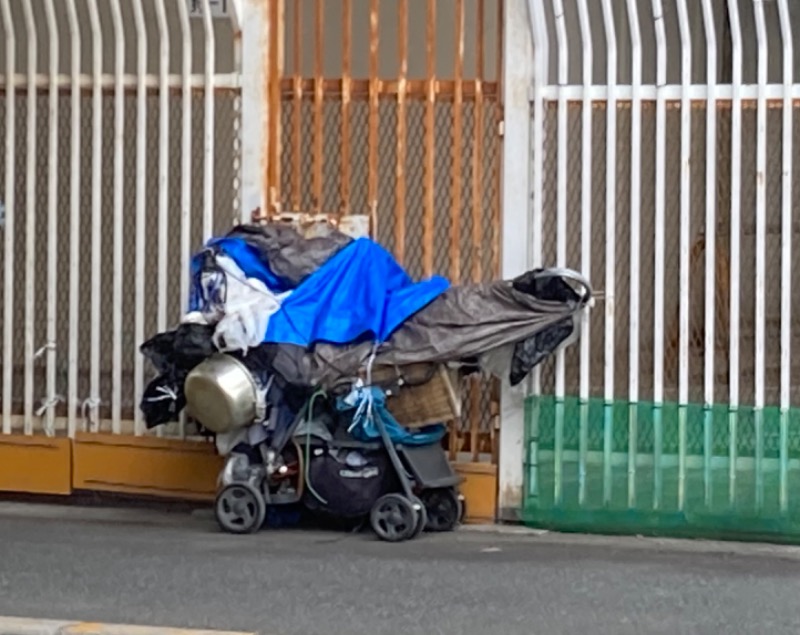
107, 81
412, 88
671, 92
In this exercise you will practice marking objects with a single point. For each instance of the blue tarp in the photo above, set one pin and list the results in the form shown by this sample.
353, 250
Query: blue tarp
249, 261
361, 293
364, 427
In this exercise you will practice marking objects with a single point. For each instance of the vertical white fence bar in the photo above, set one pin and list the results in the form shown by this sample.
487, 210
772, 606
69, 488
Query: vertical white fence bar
611, 235
685, 244
561, 227
30, 211
541, 44
74, 217
786, 248
118, 235
97, 219
659, 249
141, 147
735, 248
48, 407
635, 241
208, 124
10, 214
711, 245
586, 238
541, 65
186, 164
761, 244
163, 169
163, 165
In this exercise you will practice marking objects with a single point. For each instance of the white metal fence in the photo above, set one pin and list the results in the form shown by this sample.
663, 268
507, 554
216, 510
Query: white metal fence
664, 166
120, 123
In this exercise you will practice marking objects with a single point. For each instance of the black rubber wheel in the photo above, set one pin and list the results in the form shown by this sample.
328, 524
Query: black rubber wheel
444, 509
240, 509
422, 516
393, 518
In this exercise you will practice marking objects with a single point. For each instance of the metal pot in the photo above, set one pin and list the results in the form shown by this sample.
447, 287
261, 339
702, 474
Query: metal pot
222, 394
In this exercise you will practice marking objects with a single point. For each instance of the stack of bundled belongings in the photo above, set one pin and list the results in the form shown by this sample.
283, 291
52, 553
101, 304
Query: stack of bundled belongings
277, 320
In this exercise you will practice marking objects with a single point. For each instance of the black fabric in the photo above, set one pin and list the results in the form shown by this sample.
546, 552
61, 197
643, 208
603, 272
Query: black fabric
549, 288
173, 354
346, 491
180, 349
533, 350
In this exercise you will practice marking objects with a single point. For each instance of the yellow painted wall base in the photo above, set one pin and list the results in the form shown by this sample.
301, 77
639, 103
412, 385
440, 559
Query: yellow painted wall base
145, 465
167, 468
480, 491
35, 464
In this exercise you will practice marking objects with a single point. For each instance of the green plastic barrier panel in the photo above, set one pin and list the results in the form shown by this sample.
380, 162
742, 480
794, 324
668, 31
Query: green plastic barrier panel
666, 470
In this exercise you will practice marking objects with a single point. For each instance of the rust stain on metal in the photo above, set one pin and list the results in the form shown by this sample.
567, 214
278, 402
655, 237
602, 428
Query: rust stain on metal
415, 89
457, 150
400, 150
275, 128
347, 63
429, 226
477, 154
297, 105
372, 134
319, 88
266, 155
477, 210
475, 417
497, 166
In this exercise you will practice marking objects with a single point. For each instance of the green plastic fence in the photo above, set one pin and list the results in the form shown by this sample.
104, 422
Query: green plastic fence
668, 470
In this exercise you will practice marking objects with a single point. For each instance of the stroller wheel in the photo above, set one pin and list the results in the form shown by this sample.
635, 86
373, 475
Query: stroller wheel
393, 518
444, 509
422, 516
240, 509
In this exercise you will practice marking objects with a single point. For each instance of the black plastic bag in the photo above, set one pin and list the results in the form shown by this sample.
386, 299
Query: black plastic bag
532, 351
162, 401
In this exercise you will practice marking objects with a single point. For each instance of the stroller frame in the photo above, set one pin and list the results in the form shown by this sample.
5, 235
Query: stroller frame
428, 496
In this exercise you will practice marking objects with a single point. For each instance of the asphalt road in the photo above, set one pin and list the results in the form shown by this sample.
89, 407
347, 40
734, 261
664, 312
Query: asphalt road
144, 567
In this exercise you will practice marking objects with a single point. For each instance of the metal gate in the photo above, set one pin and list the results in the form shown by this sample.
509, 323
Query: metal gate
374, 114
664, 167
120, 123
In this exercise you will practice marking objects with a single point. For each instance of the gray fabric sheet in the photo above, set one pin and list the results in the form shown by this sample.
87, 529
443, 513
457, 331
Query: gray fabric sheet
290, 255
465, 324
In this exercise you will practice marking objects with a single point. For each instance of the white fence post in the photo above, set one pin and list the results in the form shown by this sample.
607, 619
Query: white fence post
254, 30
515, 227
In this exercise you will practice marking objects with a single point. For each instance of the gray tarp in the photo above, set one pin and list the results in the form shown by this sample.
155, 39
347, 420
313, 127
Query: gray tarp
465, 324
290, 255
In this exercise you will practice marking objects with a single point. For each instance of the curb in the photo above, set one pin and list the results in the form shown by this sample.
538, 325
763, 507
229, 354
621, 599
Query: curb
25, 626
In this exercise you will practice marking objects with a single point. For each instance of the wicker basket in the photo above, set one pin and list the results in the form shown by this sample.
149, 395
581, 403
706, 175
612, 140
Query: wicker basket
420, 394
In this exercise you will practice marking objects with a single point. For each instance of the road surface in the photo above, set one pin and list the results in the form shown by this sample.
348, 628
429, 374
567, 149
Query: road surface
176, 569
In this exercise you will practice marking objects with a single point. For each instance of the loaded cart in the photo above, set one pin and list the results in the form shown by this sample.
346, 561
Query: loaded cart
341, 455
327, 376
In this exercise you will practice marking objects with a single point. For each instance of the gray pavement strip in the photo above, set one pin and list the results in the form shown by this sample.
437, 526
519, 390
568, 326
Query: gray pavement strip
31, 626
